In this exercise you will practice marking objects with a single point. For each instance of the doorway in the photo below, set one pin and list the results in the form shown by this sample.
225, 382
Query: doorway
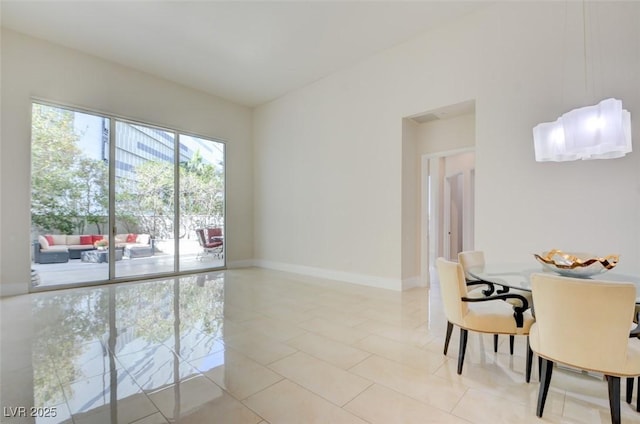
448, 206
438, 161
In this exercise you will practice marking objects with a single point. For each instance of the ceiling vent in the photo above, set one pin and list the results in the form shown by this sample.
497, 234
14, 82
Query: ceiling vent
446, 112
429, 117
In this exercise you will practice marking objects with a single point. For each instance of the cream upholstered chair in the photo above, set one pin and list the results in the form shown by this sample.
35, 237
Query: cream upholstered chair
490, 314
471, 258
635, 332
564, 307
475, 288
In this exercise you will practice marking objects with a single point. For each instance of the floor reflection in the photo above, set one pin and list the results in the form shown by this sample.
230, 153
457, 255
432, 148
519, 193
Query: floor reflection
102, 354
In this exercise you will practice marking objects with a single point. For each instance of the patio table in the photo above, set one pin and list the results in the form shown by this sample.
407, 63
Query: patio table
99, 256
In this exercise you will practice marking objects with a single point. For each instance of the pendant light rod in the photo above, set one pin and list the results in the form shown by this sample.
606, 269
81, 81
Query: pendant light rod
584, 45
601, 131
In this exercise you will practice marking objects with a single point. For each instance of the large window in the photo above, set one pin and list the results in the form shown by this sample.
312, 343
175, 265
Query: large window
114, 199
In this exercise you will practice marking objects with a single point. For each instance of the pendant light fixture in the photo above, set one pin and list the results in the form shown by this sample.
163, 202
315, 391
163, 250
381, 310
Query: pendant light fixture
601, 131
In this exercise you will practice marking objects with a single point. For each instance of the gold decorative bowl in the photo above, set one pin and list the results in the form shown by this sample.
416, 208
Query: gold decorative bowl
572, 264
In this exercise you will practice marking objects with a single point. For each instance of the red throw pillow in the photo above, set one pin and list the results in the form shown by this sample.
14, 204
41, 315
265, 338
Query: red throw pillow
95, 238
131, 238
86, 240
49, 240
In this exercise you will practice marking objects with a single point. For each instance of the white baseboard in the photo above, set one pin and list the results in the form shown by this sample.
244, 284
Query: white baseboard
413, 282
13, 289
347, 277
245, 263
361, 279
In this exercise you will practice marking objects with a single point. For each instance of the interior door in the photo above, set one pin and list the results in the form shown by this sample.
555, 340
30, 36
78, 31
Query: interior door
456, 226
453, 222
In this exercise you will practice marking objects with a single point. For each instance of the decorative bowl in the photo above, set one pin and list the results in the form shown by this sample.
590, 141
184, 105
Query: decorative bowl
572, 264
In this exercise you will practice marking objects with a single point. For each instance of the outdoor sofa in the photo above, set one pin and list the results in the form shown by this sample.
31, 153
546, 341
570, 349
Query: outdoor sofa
59, 248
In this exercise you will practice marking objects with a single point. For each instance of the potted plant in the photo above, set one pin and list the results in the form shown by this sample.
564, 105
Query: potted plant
101, 244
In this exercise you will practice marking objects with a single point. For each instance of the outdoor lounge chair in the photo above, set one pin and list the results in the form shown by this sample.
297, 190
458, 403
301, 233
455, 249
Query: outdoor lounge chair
211, 241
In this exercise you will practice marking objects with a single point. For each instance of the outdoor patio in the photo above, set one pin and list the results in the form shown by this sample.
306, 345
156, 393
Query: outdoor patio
76, 271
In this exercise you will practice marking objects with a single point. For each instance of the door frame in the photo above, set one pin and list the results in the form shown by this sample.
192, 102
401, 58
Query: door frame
431, 193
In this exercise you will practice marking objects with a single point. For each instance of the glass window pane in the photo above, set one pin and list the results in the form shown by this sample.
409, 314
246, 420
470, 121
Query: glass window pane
202, 229
70, 232
144, 200
69, 195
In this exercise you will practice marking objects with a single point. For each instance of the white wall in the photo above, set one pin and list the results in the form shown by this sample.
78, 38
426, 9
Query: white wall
329, 156
32, 67
524, 206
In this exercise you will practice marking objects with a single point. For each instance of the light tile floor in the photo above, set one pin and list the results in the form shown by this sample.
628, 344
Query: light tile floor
259, 346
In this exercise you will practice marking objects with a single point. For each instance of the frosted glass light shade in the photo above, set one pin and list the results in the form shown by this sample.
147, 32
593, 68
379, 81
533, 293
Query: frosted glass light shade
601, 131
549, 142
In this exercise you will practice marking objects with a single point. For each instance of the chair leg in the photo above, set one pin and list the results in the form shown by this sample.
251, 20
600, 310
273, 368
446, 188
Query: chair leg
539, 368
547, 370
529, 361
630, 381
463, 347
495, 343
614, 398
448, 337
511, 339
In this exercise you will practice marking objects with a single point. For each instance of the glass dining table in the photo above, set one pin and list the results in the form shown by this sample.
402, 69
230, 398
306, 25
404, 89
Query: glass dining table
517, 276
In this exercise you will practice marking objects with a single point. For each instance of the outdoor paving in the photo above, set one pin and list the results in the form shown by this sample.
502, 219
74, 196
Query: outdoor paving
76, 271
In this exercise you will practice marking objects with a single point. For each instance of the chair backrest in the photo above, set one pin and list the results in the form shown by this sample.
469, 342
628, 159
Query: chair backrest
201, 238
214, 232
470, 258
584, 323
452, 287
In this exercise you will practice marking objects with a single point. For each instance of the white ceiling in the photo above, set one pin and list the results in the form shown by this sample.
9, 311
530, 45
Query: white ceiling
249, 52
